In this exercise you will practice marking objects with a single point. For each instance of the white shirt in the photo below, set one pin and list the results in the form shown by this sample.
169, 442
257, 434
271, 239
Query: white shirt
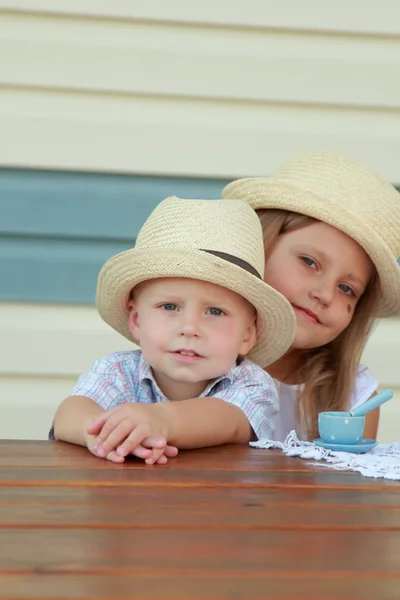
365, 385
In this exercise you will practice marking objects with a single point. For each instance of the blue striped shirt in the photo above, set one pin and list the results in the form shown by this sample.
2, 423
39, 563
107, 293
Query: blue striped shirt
124, 377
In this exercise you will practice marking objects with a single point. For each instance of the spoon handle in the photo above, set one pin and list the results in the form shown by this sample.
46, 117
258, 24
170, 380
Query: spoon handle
372, 403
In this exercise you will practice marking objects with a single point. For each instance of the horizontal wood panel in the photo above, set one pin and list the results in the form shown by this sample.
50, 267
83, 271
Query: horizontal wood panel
38, 397
256, 497
73, 337
185, 552
208, 586
186, 516
46, 347
287, 14
53, 270
135, 474
98, 207
175, 136
141, 58
298, 563
58, 229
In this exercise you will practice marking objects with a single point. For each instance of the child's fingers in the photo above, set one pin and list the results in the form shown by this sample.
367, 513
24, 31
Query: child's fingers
98, 423
162, 460
140, 452
140, 433
155, 441
114, 457
159, 442
157, 455
171, 451
109, 439
110, 421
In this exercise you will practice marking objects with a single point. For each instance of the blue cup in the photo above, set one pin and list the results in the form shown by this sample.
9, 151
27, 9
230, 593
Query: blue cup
337, 427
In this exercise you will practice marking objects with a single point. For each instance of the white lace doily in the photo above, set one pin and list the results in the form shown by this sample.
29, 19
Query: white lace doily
383, 461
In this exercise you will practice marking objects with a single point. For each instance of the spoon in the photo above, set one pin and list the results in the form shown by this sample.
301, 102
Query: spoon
372, 403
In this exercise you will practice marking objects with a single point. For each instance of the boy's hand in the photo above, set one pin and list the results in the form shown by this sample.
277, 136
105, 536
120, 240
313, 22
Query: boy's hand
112, 456
131, 429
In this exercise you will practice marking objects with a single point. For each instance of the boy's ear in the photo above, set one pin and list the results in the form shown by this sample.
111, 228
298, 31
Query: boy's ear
249, 338
133, 320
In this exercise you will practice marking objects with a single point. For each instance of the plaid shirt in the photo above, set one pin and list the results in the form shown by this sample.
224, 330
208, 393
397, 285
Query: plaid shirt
124, 377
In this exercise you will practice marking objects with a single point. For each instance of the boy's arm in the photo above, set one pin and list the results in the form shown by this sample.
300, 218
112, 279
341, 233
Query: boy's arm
187, 424
73, 417
241, 412
76, 413
202, 422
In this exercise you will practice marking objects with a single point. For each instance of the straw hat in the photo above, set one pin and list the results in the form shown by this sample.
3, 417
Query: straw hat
342, 192
211, 240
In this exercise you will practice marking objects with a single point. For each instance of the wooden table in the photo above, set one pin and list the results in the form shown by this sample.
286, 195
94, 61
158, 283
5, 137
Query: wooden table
228, 522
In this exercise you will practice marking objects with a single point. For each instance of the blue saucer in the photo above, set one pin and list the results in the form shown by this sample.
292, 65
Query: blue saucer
360, 447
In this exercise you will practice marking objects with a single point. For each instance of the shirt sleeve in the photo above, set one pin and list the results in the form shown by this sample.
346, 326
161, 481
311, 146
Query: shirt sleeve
254, 392
105, 383
365, 385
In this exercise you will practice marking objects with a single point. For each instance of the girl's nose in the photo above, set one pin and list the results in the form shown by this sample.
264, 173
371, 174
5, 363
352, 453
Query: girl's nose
323, 291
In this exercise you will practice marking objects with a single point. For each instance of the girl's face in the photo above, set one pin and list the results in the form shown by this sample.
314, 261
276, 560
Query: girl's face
323, 273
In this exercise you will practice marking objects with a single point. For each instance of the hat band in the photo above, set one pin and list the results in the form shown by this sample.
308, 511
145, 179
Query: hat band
235, 260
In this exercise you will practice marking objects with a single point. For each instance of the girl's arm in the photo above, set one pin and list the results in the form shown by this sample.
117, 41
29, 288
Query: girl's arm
372, 422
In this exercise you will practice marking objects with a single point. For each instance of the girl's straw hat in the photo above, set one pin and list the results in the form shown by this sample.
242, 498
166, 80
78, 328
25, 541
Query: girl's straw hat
211, 240
342, 192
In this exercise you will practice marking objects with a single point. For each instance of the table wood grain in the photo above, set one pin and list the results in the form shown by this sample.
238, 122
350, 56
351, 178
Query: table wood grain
218, 523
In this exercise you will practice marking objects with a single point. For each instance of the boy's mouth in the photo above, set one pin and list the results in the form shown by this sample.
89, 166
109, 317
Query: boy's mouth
186, 353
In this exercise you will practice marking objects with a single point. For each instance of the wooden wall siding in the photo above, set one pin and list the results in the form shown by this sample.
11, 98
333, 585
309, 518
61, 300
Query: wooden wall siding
180, 96
173, 89
310, 15
44, 348
57, 228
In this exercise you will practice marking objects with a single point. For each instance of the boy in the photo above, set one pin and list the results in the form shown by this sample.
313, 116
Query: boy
191, 293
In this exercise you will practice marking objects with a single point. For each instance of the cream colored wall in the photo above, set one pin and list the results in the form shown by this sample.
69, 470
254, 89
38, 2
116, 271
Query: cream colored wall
44, 348
207, 89
181, 88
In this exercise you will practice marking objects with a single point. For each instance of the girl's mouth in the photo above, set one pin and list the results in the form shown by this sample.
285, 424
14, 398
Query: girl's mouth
308, 315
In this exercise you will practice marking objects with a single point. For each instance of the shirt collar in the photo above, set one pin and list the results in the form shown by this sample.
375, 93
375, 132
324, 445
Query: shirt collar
145, 374
146, 377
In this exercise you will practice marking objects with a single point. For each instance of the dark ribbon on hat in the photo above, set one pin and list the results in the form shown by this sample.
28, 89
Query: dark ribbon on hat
235, 260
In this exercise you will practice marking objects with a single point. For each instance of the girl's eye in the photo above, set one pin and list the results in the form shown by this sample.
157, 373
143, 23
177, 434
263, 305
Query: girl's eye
346, 289
217, 312
308, 261
169, 306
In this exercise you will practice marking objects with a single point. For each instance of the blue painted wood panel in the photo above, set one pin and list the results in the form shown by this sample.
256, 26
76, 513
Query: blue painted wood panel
58, 228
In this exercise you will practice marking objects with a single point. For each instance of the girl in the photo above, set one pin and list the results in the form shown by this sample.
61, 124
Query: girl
332, 242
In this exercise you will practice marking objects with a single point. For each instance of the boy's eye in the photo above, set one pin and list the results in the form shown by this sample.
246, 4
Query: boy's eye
217, 312
308, 261
169, 306
346, 289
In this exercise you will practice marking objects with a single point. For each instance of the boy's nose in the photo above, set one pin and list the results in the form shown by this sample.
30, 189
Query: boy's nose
190, 325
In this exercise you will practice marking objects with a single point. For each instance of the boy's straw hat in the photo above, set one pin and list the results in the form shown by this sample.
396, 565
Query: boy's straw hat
211, 240
342, 192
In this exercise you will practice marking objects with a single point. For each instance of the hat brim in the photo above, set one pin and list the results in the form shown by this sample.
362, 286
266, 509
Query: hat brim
276, 322
264, 193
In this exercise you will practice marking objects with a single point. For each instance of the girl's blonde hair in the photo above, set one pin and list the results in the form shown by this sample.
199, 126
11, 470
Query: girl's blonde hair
328, 372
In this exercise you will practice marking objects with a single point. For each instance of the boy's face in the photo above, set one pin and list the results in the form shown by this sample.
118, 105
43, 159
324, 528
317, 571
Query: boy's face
190, 332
